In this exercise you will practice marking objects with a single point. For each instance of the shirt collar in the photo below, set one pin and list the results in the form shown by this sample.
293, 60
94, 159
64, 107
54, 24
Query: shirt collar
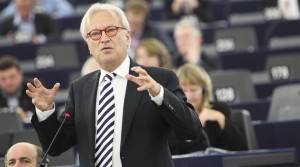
121, 71
18, 21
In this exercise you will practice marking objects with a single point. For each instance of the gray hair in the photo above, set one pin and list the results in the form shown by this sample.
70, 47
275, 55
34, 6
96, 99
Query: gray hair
97, 7
189, 21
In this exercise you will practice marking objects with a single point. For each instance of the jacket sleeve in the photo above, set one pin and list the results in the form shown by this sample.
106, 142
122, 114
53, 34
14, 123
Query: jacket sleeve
46, 130
176, 111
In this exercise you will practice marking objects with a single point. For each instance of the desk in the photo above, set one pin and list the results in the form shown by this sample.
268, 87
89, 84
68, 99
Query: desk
283, 134
285, 156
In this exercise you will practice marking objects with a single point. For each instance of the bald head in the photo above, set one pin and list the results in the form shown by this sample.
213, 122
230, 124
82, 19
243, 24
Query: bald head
22, 154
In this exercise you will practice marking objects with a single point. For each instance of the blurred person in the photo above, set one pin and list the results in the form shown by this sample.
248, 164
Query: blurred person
142, 103
188, 38
174, 9
140, 26
289, 9
214, 116
25, 155
90, 65
13, 89
54, 8
152, 52
27, 26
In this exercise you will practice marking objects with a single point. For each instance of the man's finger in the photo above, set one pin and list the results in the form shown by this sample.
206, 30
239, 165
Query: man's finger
30, 94
139, 70
31, 87
132, 78
37, 83
56, 87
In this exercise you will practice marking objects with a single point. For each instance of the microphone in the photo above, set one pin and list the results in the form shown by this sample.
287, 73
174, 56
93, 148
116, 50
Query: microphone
209, 148
58, 130
269, 31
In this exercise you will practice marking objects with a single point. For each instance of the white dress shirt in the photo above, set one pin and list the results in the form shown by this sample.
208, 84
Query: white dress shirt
119, 84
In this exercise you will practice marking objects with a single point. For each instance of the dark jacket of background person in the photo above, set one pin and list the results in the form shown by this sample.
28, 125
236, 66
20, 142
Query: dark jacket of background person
203, 12
230, 138
43, 23
24, 100
206, 62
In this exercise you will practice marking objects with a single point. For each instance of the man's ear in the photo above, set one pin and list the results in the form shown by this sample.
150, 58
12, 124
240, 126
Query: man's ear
128, 38
201, 40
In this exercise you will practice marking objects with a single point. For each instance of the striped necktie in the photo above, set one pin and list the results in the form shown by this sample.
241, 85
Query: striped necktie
105, 124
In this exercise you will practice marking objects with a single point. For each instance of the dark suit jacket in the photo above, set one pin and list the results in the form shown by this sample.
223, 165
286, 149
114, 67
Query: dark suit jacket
203, 11
44, 24
207, 62
145, 128
24, 100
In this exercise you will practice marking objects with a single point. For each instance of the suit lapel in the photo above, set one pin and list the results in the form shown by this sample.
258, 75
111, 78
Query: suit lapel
90, 96
132, 99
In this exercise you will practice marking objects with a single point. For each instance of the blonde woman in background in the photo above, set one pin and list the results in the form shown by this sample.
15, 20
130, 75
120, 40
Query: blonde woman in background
214, 117
152, 52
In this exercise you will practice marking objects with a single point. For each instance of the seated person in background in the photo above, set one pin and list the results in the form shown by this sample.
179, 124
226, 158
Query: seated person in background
140, 28
289, 9
152, 52
188, 38
89, 66
13, 95
55, 8
174, 9
215, 117
26, 26
25, 155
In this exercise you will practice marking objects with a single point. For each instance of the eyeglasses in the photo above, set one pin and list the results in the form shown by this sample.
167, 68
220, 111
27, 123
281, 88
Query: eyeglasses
110, 31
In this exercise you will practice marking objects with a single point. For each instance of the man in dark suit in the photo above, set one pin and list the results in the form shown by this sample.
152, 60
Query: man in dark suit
13, 89
148, 102
189, 39
26, 26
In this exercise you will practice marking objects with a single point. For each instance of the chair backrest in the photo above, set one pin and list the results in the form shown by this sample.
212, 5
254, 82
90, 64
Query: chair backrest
28, 135
66, 158
59, 55
5, 142
284, 42
283, 66
235, 39
285, 103
10, 121
2, 162
243, 119
232, 86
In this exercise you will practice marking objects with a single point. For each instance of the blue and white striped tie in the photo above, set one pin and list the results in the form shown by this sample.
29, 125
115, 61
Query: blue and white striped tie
105, 124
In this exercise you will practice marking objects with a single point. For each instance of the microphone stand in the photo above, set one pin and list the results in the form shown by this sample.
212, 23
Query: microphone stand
209, 148
58, 130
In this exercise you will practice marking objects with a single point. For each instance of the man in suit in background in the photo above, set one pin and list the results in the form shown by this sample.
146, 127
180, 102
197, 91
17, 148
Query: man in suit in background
189, 39
144, 103
26, 26
13, 89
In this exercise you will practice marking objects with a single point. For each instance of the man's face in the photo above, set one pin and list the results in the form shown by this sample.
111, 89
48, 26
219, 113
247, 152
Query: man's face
109, 52
186, 38
22, 155
25, 7
136, 22
10, 80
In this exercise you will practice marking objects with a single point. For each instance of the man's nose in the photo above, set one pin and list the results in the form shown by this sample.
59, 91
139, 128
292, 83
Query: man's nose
104, 38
